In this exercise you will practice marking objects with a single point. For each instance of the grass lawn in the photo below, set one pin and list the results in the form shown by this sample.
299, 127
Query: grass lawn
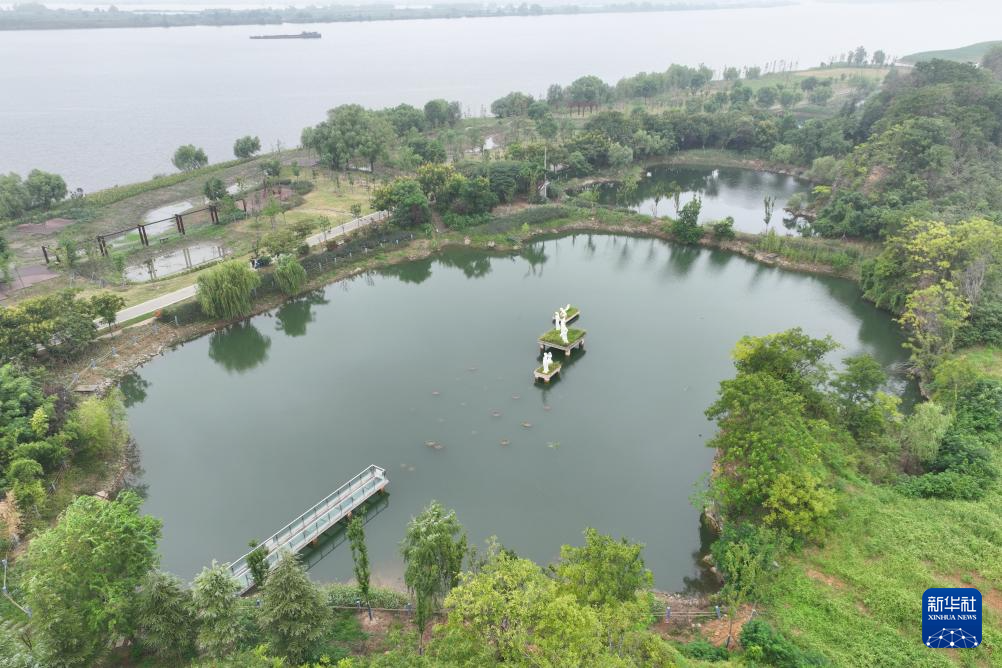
858, 598
553, 336
972, 53
986, 360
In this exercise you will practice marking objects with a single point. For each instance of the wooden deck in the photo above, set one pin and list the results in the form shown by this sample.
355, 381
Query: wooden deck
546, 377
309, 526
566, 349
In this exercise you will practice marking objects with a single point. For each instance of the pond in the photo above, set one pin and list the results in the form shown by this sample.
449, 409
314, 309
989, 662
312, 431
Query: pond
725, 191
174, 262
242, 430
168, 211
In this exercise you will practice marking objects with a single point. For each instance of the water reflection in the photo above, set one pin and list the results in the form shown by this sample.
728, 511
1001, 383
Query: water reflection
474, 264
239, 347
416, 272
664, 189
293, 317
173, 262
133, 387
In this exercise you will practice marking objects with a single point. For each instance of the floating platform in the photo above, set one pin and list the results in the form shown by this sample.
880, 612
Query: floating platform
546, 377
551, 339
573, 313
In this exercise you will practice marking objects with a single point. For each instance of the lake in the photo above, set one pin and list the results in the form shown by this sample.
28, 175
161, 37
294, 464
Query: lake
724, 191
105, 107
241, 430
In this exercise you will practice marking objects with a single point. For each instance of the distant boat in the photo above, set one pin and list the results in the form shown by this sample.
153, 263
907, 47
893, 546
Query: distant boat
302, 35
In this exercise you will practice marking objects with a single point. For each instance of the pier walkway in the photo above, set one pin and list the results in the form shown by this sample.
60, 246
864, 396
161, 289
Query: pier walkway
309, 526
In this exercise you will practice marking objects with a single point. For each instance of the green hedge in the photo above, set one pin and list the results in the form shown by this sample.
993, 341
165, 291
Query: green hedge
339, 594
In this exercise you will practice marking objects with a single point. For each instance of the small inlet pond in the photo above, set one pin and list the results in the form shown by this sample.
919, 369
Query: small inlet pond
242, 430
725, 191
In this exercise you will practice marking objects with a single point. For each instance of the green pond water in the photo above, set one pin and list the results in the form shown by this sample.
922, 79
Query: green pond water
241, 430
724, 191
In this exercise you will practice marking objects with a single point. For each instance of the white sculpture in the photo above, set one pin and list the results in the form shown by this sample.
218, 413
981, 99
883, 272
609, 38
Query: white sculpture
556, 319
563, 331
547, 360
567, 308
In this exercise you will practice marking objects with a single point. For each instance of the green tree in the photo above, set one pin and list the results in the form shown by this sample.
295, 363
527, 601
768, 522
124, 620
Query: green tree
921, 434
214, 189
14, 197
188, 158
257, 562
686, 228
932, 317
510, 605
81, 577
290, 275
360, 555
743, 554
216, 608
224, 291
44, 189
433, 552
106, 305
603, 571
406, 200
246, 147
165, 617
293, 613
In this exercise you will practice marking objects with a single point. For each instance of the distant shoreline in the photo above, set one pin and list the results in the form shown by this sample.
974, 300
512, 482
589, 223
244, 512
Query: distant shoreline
34, 17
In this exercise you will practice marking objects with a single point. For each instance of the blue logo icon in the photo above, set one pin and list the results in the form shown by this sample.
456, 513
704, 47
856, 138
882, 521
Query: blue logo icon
951, 618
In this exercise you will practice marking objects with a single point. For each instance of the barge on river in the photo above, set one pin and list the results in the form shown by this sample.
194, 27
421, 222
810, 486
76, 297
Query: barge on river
302, 35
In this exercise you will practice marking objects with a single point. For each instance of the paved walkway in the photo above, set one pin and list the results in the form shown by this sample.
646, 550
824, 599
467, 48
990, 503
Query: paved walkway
170, 298
155, 304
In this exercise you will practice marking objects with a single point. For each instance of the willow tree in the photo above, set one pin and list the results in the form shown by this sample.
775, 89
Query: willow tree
433, 552
225, 290
290, 275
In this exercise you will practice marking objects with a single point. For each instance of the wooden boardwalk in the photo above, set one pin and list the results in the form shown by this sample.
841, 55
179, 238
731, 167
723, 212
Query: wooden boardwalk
309, 526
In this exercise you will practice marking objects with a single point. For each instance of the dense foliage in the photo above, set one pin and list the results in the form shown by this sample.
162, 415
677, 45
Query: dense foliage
61, 324
224, 291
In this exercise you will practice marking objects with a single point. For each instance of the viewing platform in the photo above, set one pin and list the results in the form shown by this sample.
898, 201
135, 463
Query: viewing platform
546, 377
551, 339
309, 526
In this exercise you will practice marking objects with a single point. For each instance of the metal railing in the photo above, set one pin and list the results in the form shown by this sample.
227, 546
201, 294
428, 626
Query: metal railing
315, 521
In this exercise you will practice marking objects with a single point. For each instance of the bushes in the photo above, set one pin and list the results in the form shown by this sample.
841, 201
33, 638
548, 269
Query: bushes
455, 221
762, 642
701, 650
339, 595
686, 227
723, 229
962, 467
302, 187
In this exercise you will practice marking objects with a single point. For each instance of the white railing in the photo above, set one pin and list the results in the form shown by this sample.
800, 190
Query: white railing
315, 521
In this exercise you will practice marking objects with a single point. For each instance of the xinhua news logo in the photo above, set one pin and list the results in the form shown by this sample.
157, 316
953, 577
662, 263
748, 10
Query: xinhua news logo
951, 618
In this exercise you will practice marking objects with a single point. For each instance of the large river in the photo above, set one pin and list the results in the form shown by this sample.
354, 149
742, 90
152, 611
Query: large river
242, 430
110, 106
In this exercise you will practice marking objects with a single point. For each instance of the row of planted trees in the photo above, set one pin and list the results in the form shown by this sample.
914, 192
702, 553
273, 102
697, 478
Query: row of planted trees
95, 595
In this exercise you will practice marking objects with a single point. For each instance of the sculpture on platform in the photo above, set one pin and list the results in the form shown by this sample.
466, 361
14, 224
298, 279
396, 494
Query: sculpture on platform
556, 319
547, 361
563, 331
